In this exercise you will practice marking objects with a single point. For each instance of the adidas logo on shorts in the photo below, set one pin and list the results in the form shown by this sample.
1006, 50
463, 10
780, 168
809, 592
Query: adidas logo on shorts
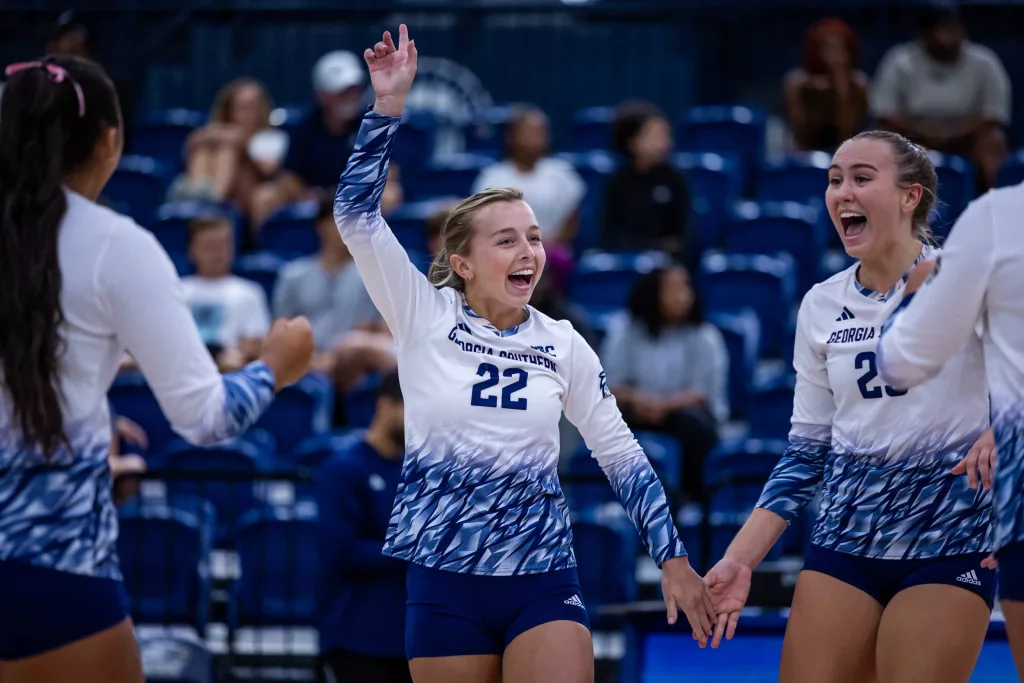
969, 577
575, 602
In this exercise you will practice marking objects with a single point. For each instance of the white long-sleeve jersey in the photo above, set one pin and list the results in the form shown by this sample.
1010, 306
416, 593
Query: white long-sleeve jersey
882, 455
119, 292
981, 277
479, 491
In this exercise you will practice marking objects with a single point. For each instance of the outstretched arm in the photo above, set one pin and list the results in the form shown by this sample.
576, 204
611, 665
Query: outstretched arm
590, 406
922, 336
404, 297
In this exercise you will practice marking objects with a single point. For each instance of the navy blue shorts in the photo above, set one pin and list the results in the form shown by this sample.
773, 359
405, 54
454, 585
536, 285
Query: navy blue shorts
1011, 572
883, 579
450, 614
42, 609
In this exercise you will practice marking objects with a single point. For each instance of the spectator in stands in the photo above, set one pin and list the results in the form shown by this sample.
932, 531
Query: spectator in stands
827, 96
231, 313
362, 592
646, 201
125, 467
432, 230
229, 157
552, 186
326, 288
946, 93
669, 369
320, 144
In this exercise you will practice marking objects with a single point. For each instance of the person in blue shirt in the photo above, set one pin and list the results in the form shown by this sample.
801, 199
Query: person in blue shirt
362, 592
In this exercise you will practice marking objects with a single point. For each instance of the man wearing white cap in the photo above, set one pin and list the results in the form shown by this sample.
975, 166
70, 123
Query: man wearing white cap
322, 141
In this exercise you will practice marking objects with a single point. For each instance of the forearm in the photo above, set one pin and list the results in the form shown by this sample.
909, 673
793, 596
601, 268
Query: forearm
758, 535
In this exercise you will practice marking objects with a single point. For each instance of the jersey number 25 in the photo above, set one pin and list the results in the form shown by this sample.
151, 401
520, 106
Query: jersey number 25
867, 358
490, 374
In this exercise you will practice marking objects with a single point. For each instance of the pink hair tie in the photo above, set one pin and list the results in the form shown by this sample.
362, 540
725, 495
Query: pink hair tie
57, 73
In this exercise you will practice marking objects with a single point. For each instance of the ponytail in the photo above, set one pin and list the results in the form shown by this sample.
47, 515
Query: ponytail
52, 115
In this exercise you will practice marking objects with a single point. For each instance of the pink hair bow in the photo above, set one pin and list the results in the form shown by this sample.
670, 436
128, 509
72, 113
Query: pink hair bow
58, 73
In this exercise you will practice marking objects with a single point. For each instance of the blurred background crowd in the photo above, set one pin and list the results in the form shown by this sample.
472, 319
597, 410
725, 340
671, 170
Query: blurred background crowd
675, 158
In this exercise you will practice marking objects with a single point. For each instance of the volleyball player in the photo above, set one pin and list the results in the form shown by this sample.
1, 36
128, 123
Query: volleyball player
892, 584
80, 285
492, 586
981, 278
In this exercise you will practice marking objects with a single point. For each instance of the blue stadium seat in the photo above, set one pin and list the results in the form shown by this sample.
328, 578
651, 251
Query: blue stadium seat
300, 411
715, 182
262, 268
746, 462
742, 333
223, 476
132, 398
602, 280
594, 168
172, 219
414, 144
584, 482
408, 222
164, 549
1012, 170
770, 407
361, 402
291, 231
765, 284
798, 177
771, 227
139, 185
313, 451
606, 546
162, 135
449, 175
287, 118
666, 457
486, 134
727, 129
956, 189
690, 522
278, 557
592, 128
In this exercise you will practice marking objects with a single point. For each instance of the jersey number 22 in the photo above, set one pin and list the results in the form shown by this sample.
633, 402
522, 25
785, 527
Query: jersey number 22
490, 374
867, 358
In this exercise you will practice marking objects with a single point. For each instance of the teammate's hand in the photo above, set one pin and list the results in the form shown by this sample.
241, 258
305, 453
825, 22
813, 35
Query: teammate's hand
990, 562
981, 457
729, 585
392, 71
288, 350
919, 274
683, 589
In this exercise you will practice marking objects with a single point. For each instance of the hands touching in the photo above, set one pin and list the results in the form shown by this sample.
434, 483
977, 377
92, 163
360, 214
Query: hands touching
682, 588
728, 583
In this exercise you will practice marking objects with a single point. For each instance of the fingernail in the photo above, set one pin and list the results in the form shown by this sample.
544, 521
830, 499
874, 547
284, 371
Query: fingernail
671, 620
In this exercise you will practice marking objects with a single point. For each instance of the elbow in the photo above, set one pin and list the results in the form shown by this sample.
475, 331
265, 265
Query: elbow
899, 372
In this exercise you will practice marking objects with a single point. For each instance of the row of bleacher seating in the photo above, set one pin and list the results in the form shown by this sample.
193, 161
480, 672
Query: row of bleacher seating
167, 542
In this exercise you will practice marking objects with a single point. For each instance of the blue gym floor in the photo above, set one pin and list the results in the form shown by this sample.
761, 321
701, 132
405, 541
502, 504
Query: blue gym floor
755, 659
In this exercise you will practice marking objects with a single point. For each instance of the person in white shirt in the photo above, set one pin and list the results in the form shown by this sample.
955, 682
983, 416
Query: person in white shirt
80, 285
231, 312
981, 279
479, 513
895, 583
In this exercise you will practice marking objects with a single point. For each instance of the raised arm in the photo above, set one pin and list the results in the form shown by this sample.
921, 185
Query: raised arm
404, 297
590, 406
920, 337
144, 301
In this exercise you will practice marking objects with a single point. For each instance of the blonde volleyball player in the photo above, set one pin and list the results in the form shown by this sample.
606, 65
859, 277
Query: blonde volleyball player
492, 588
893, 588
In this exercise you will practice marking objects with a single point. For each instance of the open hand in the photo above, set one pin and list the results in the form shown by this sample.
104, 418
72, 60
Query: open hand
683, 589
729, 585
981, 457
392, 71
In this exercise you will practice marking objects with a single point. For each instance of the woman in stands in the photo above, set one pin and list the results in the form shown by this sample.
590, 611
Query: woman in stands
981, 278
893, 580
79, 285
669, 369
493, 592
